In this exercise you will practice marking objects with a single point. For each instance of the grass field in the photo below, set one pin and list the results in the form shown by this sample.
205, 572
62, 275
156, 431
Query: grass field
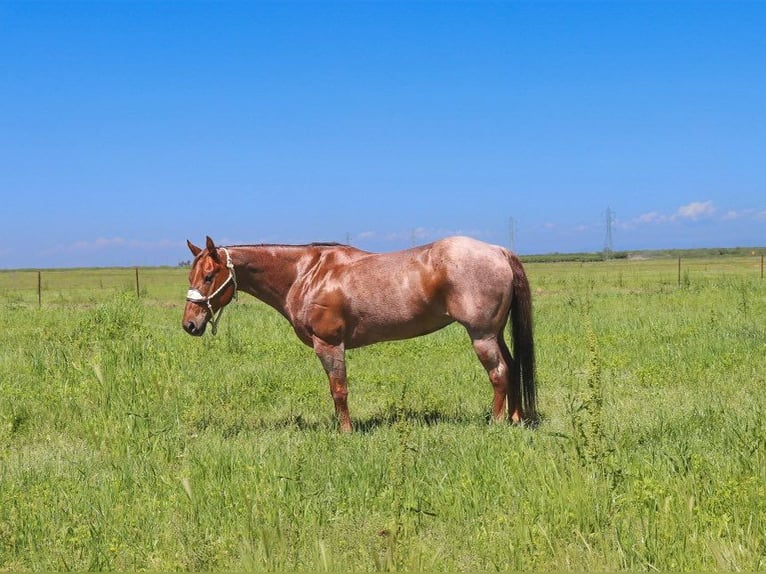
127, 444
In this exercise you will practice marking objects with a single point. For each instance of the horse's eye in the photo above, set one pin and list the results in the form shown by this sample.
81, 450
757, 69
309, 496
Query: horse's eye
208, 278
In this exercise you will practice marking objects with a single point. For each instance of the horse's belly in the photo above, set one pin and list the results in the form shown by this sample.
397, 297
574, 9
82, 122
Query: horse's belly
369, 329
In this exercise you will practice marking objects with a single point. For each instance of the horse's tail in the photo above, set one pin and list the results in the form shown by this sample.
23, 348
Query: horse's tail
523, 339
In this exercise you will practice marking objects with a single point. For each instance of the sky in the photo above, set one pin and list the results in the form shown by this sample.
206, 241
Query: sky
127, 127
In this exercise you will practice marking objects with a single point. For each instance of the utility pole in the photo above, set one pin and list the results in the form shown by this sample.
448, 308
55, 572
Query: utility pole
608, 246
512, 234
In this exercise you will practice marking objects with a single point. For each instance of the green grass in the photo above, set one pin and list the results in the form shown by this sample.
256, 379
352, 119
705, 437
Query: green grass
127, 444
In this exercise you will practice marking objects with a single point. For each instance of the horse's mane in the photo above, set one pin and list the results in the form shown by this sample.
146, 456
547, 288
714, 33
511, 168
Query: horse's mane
296, 245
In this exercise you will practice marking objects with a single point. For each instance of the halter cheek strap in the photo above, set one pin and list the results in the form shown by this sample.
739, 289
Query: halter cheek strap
195, 296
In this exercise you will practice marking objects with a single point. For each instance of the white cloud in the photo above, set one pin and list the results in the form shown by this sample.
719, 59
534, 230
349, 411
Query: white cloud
422, 234
99, 243
417, 233
696, 210
744, 214
693, 211
105, 243
652, 217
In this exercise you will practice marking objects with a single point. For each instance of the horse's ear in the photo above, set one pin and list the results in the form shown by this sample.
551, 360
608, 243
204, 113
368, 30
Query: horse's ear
193, 248
211, 248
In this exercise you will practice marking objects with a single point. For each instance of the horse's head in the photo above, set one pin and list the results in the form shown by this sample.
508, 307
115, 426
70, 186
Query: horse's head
212, 285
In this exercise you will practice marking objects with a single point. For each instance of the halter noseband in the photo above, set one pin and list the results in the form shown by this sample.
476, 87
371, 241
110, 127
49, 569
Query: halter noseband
194, 296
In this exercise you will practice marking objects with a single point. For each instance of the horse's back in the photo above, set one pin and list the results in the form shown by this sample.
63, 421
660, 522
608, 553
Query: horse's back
466, 255
419, 290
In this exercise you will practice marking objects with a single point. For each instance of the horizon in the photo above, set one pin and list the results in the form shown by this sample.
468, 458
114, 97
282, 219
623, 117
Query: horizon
659, 253
127, 128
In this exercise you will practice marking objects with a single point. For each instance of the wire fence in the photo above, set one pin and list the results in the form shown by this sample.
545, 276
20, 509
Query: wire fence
56, 287
166, 285
667, 271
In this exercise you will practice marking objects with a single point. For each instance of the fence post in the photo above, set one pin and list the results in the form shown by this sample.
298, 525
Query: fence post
761, 265
39, 289
679, 270
138, 290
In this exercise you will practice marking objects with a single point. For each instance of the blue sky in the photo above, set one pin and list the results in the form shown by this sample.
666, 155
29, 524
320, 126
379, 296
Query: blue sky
127, 127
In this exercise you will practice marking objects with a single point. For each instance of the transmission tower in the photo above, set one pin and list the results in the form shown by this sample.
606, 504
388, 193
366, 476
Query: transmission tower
608, 246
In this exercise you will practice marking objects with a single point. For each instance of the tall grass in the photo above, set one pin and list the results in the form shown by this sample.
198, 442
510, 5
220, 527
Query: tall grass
126, 444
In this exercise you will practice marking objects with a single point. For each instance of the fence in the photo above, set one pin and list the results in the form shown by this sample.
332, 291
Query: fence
621, 275
54, 287
166, 285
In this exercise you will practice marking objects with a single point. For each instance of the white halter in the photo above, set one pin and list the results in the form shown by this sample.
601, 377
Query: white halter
195, 296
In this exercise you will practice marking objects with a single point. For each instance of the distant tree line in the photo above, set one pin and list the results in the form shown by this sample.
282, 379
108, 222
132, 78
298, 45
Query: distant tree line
645, 254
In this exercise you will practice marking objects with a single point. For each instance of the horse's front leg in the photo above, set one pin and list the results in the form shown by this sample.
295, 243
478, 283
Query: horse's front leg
333, 359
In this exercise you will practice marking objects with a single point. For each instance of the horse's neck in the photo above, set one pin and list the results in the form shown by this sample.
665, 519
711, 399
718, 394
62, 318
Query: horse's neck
267, 272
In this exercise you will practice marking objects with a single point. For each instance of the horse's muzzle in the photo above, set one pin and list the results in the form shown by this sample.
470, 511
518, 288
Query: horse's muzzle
194, 328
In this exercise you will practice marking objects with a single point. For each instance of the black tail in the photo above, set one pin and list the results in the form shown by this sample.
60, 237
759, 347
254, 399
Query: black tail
523, 339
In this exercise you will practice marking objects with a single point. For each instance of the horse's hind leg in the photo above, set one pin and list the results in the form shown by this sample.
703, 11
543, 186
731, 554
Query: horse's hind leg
493, 358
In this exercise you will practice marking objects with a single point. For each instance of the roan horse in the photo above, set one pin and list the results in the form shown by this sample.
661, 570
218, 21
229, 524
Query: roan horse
338, 297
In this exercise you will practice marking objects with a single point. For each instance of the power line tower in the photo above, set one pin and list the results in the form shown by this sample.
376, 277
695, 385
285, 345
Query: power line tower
608, 246
512, 234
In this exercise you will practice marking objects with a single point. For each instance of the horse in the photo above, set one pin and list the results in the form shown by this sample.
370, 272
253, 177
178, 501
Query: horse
338, 297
